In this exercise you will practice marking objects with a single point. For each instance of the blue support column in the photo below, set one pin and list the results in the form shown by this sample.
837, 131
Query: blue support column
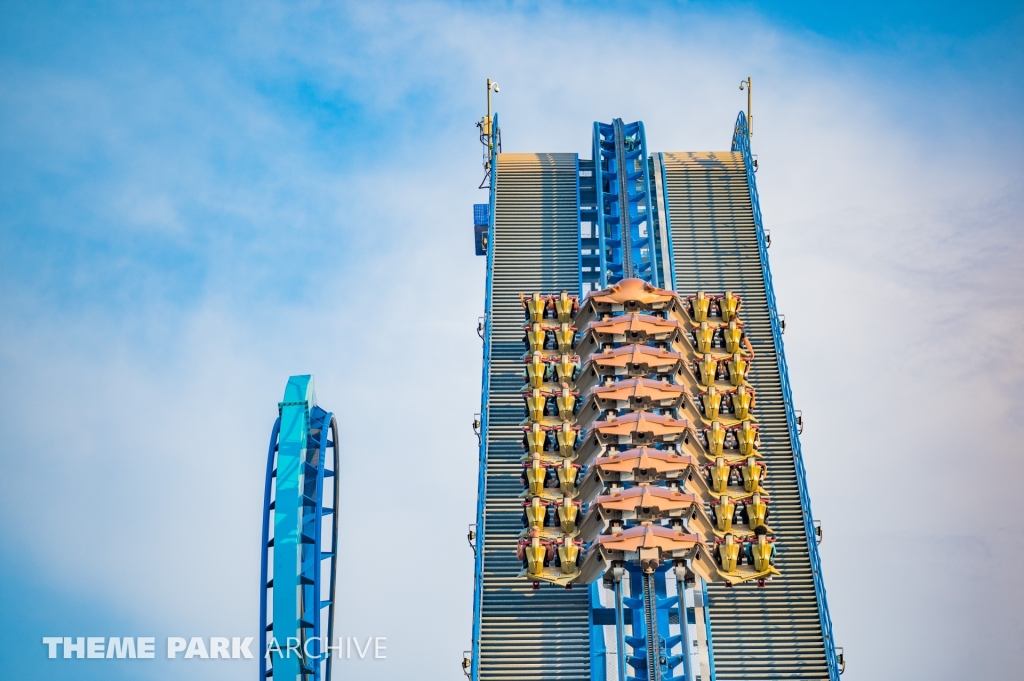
598, 650
625, 228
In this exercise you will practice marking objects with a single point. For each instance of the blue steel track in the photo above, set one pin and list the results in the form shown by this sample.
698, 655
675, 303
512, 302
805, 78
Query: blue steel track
297, 569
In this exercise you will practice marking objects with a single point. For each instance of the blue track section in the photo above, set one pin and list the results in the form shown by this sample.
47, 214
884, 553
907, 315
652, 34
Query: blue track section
298, 552
626, 240
741, 143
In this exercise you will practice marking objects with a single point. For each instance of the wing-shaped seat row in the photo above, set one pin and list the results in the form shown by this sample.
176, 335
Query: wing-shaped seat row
639, 439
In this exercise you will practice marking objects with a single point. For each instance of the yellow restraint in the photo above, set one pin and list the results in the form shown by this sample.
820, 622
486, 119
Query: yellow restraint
566, 440
536, 306
726, 511
716, 438
535, 553
732, 335
567, 478
567, 512
700, 307
535, 404
729, 304
737, 369
563, 308
729, 553
535, 438
708, 366
704, 335
747, 437
742, 401
566, 403
719, 475
712, 401
757, 511
752, 473
535, 371
762, 551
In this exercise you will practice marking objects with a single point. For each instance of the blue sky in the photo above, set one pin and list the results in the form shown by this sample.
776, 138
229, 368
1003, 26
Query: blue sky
198, 200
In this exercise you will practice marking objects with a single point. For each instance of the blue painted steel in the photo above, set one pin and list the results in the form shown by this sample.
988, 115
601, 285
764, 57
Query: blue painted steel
481, 220
741, 143
264, 567
598, 650
620, 628
637, 661
481, 214
668, 222
707, 625
626, 233
590, 258
298, 400
478, 575
684, 630
603, 244
626, 243
579, 249
295, 494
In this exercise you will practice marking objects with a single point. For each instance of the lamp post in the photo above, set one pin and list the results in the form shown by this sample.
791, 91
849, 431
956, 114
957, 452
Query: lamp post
491, 86
744, 85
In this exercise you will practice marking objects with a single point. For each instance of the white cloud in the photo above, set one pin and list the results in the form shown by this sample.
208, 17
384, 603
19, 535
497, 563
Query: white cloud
895, 261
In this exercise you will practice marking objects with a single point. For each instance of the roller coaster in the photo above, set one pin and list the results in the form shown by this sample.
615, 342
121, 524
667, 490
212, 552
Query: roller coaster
643, 512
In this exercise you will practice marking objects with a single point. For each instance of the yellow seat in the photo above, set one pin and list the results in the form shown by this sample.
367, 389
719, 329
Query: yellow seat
762, 551
566, 368
719, 475
724, 513
566, 436
567, 513
737, 369
753, 472
701, 303
729, 553
535, 336
536, 370
729, 305
536, 513
757, 511
712, 401
536, 436
535, 402
535, 553
535, 306
565, 337
565, 307
536, 475
732, 335
704, 334
567, 475
568, 555
742, 401
716, 438
566, 403
707, 366
747, 437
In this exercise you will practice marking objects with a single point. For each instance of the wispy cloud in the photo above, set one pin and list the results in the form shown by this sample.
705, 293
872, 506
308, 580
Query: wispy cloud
197, 203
